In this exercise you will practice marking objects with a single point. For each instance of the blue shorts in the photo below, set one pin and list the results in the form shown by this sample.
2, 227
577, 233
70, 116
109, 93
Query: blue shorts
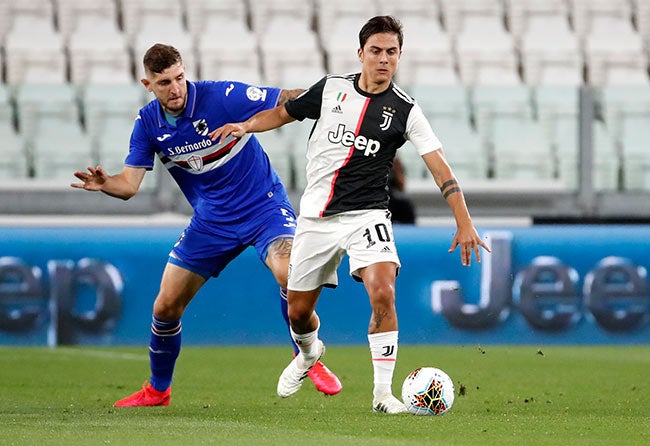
206, 250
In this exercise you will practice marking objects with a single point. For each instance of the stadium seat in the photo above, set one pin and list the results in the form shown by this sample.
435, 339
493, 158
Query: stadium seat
635, 156
596, 16
606, 159
617, 102
447, 107
497, 109
414, 168
522, 152
626, 113
341, 45
297, 135
110, 111
428, 57
458, 15
74, 14
115, 102
135, 14
463, 149
510, 103
406, 10
331, 12
443, 103
229, 52
565, 140
49, 121
12, 11
14, 162
448, 110
34, 51
59, 148
557, 111
300, 66
111, 145
266, 15
6, 108
99, 53
339, 22
526, 15
278, 149
616, 55
641, 14
486, 52
42, 102
205, 16
550, 52
114, 148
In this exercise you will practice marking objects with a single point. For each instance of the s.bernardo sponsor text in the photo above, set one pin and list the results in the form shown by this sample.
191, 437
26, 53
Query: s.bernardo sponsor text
177, 150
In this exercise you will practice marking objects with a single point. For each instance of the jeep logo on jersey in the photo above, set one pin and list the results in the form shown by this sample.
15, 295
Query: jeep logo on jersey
201, 127
349, 139
195, 162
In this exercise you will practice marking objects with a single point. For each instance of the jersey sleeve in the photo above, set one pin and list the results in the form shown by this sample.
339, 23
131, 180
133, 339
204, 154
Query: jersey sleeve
420, 133
308, 104
141, 151
243, 100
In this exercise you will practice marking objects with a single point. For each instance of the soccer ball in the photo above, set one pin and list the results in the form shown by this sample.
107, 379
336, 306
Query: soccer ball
428, 391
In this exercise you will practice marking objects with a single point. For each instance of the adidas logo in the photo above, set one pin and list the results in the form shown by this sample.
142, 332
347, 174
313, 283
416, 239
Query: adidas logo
386, 249
337, 109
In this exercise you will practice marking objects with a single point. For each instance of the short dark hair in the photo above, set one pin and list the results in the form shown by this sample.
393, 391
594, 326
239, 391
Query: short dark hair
160, 57
381, 24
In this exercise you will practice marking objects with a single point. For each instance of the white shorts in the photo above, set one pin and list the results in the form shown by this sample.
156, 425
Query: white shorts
320, 243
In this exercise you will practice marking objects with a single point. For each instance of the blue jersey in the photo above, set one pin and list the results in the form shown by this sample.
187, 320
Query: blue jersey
223, 183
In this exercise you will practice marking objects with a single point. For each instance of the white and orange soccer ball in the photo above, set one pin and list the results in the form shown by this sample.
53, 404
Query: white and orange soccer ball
428, 391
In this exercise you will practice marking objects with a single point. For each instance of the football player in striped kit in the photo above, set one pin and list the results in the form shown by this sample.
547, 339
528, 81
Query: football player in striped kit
361, 119
237, 197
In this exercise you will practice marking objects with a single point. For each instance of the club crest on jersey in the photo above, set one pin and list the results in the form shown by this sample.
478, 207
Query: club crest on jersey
201, 127
256, 94
387, 113
195, 162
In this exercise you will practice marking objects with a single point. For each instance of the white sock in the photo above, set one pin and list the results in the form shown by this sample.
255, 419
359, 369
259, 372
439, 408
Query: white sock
306, 343
383, 350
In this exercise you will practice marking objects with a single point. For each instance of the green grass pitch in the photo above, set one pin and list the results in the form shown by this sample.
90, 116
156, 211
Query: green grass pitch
505, 395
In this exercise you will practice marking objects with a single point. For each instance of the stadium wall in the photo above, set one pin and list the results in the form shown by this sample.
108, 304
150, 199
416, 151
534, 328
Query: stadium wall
541, 285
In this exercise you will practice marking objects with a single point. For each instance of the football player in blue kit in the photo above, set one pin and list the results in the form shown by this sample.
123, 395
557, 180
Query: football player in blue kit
361, 120
237, 197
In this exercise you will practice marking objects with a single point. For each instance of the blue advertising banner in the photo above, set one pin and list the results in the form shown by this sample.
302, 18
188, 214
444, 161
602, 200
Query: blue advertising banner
540, 285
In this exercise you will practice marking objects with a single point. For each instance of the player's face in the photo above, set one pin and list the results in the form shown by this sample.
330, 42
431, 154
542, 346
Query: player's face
379, 58
169, 87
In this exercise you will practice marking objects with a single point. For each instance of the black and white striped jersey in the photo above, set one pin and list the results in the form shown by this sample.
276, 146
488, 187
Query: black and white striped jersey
354, 141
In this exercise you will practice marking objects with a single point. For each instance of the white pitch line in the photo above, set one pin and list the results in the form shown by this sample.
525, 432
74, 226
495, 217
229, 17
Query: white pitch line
107, 354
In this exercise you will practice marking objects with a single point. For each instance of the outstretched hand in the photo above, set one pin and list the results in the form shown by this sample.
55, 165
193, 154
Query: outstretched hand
92, 180
468, 240
237, 130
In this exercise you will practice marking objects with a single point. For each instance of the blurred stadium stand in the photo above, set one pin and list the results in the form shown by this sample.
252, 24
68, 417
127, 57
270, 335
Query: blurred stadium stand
543, 107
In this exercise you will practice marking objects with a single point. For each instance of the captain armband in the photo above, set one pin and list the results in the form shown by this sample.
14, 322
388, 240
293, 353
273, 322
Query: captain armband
448, 188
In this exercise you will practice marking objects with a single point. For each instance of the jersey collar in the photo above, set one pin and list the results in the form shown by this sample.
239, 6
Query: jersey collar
189, 108
365, 93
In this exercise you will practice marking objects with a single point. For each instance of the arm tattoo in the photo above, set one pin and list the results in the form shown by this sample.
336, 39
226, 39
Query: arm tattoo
449, 187
287, 95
